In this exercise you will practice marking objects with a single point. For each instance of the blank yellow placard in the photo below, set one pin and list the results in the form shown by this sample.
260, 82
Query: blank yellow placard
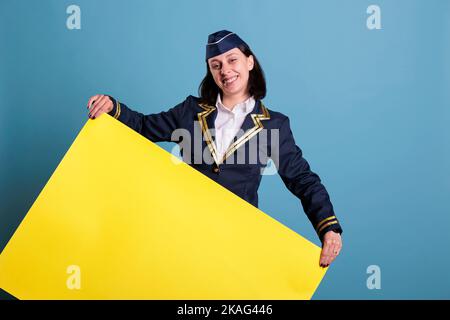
136, 225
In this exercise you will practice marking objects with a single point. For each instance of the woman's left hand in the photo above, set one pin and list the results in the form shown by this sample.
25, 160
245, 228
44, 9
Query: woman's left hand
332, 244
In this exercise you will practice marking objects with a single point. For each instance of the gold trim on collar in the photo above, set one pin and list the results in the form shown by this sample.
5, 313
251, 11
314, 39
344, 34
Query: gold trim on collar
238, 143
204, 126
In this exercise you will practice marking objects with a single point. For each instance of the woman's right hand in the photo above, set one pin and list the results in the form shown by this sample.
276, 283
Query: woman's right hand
99, 104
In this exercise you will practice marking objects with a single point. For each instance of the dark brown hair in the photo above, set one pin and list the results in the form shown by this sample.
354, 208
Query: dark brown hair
208, 89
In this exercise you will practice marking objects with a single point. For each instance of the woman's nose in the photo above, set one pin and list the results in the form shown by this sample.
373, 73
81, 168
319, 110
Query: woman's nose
224, 70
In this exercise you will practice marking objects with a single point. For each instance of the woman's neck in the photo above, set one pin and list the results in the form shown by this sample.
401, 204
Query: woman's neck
231, 101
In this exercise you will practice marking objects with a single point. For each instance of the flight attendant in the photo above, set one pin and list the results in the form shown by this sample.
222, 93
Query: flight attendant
229, 117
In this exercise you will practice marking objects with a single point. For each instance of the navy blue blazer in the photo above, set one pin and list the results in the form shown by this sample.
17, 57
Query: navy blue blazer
240, 171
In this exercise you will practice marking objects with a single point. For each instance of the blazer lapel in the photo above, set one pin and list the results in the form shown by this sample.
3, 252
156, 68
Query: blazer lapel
251, 126
207, 119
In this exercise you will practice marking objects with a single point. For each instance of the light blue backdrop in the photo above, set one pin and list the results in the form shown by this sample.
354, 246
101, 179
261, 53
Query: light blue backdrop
369, 108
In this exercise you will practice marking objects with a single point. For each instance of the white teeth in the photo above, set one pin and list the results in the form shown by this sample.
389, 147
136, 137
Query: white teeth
227, 82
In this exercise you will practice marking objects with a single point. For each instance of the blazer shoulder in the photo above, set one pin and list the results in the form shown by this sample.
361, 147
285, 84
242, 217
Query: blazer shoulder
276, 118
192, 99
193, 103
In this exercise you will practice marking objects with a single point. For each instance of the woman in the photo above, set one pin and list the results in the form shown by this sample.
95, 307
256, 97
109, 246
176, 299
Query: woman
231, 117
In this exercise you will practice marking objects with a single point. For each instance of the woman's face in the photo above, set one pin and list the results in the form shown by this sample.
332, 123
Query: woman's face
231, 71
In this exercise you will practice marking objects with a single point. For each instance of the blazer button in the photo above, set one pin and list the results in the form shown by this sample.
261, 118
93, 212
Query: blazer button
216, 169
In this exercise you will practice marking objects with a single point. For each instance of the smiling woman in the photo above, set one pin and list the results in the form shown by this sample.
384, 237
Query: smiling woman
223, 70
231, 72
231, 115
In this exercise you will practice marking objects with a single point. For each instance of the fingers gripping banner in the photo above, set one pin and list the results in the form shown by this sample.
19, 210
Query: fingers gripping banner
119, 219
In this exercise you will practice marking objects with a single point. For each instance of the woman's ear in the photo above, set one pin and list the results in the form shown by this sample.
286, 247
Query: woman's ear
250, 62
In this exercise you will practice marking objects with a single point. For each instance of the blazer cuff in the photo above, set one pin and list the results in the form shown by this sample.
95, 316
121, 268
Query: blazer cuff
328, 224
116, 110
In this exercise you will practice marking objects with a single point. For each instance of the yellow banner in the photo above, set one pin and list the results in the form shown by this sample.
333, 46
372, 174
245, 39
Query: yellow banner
118, 219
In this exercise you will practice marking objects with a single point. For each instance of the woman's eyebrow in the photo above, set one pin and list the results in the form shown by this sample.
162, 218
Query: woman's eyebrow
227, 56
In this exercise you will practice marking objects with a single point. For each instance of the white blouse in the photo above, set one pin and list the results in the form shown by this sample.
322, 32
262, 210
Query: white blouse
228, 122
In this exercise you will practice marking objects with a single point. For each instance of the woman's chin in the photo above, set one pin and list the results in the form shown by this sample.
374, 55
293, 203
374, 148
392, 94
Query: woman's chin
231, 90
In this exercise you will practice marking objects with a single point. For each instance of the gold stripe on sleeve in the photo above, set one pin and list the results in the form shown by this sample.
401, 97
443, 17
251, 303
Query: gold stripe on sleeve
326, 225
323, 221
117, 114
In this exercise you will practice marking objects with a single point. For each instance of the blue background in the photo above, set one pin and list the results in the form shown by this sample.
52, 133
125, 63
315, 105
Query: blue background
369, 108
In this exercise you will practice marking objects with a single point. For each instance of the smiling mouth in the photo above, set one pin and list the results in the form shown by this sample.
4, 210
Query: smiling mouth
229, 81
